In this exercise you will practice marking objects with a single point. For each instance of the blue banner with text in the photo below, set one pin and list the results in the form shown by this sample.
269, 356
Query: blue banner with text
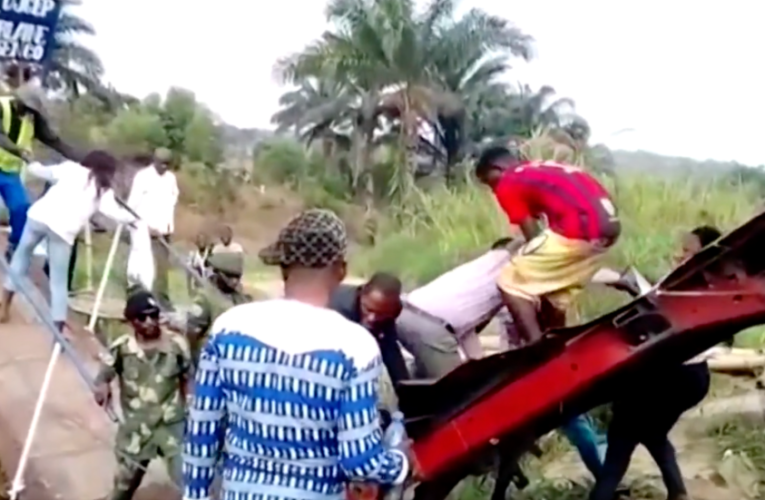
27, 29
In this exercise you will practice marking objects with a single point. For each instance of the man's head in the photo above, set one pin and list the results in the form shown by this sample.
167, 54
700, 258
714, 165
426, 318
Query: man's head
311, 248
227, 269
16, 75
493, 162
380, 300
202, 240
142, 312
695, 240
163, 159
226, 235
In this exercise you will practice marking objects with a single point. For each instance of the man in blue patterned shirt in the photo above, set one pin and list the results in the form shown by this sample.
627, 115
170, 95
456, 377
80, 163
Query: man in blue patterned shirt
287, 390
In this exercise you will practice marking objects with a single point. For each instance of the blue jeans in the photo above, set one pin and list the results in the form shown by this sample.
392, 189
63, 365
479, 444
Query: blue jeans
58, 260
15, 197
587, 441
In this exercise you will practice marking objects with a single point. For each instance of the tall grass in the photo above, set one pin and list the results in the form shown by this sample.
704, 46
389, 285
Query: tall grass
437, 230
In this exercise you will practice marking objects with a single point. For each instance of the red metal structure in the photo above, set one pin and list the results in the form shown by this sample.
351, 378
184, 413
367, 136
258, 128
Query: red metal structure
513, 396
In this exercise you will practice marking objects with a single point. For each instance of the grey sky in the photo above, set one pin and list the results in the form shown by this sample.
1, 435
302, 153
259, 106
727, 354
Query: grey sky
684, 75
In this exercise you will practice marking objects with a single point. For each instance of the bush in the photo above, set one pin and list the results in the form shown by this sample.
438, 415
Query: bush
318, 180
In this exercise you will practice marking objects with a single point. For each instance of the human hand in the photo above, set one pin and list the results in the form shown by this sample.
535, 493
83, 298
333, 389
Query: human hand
102, 394
362, 491
414, 467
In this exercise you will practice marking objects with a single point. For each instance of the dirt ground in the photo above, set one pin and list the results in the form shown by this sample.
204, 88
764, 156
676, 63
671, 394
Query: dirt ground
256, 217
699, 455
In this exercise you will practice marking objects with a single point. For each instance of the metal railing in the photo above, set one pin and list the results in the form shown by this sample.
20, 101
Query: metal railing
29, 292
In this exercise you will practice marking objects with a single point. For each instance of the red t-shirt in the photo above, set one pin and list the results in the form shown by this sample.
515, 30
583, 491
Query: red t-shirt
572, 201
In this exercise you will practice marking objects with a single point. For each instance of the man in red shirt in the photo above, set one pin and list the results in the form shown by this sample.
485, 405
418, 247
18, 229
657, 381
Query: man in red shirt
569, 222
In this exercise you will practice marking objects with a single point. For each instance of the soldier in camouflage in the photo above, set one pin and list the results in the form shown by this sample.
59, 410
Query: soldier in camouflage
152, 367
226, 270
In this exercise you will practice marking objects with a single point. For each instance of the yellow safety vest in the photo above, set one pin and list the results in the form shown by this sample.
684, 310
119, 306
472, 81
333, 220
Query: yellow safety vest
9, 162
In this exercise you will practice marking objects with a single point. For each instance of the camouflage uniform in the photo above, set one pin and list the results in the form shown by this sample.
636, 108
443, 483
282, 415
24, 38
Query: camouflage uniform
195, 322
152, 387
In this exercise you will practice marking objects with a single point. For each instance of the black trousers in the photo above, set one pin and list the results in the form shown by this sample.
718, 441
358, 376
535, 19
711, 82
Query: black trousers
645, 416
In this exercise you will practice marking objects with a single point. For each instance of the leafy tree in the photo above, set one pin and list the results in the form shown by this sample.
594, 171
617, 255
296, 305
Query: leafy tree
73, 67
202, 139
135, 130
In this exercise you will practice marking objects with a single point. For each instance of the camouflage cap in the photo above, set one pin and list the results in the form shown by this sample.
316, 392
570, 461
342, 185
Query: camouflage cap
316, 238
33, 97
231, 263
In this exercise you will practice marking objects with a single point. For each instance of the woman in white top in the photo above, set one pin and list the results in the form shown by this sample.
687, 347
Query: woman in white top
78, 191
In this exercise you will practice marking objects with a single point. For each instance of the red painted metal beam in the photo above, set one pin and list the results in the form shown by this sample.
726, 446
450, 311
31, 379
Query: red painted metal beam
590, 357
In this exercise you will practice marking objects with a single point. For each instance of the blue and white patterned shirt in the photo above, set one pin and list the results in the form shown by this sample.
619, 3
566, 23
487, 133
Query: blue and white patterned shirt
286, 398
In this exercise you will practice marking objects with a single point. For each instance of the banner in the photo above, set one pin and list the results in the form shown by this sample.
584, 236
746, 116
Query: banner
27, 29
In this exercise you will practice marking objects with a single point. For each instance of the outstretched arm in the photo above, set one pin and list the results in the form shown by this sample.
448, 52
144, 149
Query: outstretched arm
45, 134
110, 208
630, 281
511, 199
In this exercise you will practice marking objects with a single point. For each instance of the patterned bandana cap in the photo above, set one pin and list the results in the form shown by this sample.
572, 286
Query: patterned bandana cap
314, 239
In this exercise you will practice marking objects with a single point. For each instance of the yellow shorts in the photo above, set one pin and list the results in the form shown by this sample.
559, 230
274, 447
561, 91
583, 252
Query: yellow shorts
551, 266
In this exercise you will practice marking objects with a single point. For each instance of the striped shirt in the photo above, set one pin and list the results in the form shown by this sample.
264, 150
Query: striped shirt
286, 398
572, 201
466, 296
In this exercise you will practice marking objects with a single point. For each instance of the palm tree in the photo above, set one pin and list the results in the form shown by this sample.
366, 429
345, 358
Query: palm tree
360, 55
467, 56
499, 112
407, 66
74, 68
316, 109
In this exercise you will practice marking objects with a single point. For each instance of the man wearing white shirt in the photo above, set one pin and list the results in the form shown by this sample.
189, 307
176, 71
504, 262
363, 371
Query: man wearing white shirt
153, 196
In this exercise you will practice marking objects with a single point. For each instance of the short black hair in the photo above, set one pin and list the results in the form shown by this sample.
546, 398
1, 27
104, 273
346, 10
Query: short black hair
386, 283
501, 243
706, 234
490, 157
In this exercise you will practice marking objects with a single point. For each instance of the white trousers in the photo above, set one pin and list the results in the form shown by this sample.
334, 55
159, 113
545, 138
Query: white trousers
140, 265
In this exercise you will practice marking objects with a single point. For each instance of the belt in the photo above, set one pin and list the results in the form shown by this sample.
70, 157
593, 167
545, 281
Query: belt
425, 314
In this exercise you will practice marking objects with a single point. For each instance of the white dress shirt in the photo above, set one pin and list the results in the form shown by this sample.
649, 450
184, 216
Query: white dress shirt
467, 295
71, 200
153, 197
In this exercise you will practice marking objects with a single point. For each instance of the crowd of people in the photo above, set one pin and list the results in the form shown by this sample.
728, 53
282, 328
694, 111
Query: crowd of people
276, 409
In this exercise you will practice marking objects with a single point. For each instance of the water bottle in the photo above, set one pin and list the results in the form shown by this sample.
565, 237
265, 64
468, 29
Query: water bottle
395, 438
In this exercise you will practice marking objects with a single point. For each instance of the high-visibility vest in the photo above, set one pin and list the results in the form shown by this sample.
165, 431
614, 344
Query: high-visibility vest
8, 162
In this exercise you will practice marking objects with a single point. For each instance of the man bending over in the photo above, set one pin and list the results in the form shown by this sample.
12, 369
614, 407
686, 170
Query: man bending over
568, 220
